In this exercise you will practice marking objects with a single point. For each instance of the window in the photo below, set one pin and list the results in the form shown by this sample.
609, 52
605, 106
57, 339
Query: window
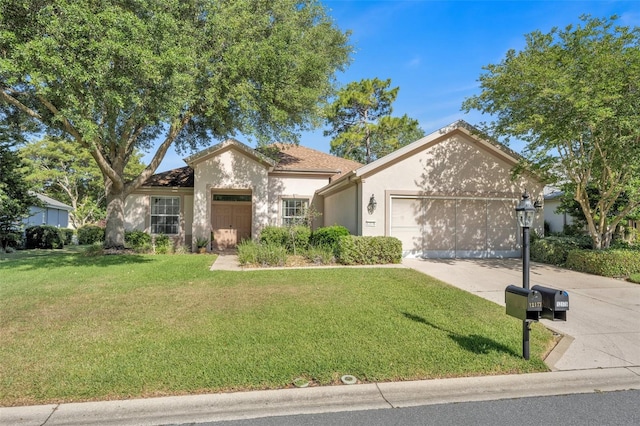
165, 215
294, 211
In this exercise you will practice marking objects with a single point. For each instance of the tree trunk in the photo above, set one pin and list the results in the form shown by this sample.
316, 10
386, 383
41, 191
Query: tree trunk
114, 231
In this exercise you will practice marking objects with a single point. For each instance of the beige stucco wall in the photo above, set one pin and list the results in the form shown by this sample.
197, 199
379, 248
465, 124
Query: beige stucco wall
136, 210
292, 186
341, 208
458, 166
229, 169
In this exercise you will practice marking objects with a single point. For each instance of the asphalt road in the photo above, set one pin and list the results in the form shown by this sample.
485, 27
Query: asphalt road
604, 408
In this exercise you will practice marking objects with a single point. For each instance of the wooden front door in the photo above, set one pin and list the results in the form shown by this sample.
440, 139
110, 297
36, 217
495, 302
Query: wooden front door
231, 223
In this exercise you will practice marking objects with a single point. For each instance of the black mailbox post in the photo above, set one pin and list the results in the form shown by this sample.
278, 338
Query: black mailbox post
555, 303
523, 303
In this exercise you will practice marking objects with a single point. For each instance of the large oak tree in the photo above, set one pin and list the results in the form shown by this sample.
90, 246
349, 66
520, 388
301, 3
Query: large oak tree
118, 76
573, 96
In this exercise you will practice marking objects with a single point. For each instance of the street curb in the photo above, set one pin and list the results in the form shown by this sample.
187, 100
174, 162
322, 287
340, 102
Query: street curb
246, 405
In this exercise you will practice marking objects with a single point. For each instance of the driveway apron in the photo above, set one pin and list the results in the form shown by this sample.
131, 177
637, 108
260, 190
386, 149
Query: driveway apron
603, 318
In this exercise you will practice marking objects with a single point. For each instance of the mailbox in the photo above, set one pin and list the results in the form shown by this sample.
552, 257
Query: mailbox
555, 303
523, 303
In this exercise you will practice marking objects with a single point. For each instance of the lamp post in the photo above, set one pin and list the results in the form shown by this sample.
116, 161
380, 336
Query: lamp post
525, 212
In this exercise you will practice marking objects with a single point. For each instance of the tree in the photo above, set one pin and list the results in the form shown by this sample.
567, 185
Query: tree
15, 193
361, 123
573, 96
117, 77
67, 174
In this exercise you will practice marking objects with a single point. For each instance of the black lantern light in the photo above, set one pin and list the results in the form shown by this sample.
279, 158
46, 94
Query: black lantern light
371, 207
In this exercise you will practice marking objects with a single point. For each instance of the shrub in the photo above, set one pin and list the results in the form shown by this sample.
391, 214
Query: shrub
555, 249
353, 250
11, 239
608, 263
635, 278
90, 234
67, 235
274, 235
297, 238
263, 254
44, 237
162, 244
328, 236
320, 255
137, 240
293, 238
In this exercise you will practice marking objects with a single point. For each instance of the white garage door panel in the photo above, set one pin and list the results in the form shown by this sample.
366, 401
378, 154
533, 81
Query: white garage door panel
439, 227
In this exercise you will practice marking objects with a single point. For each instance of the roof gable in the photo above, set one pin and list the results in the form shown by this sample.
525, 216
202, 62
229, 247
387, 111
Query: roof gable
52, 203
217, 149
495, 148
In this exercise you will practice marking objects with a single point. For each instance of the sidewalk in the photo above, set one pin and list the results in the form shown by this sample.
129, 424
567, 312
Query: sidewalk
600, 352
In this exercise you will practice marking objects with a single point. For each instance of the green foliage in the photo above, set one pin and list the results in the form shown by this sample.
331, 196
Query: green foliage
138, 240
555, 249
572, 96
44, 237
90, 234
162, 244
635, 278
15, 195
293, 238
10, 240
328, 236
320, 255
68, 235
117, 77
608, 263
70, 175
261, 254
297, 238
361, 123
274, 235
356, 250
201, 242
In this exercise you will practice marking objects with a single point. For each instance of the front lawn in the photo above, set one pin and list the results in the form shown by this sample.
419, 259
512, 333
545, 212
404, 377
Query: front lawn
76, 328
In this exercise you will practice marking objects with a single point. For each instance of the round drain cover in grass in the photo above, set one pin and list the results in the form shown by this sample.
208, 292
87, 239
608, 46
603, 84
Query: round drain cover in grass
348, 379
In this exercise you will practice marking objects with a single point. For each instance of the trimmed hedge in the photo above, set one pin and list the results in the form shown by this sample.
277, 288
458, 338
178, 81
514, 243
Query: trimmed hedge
44, 237
90, 234
328, 236
292, 237
554, 250
608, 263
356, 250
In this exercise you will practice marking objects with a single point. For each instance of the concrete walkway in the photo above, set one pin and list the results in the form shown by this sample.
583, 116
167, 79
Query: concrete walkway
600, 352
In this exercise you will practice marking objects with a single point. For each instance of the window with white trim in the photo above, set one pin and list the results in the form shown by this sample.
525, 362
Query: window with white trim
294, 211
165, 215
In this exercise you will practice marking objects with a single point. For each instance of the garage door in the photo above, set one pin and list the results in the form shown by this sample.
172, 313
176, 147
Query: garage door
455, 227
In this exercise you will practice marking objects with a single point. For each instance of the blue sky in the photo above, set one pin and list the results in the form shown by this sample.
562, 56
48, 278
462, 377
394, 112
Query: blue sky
435, 50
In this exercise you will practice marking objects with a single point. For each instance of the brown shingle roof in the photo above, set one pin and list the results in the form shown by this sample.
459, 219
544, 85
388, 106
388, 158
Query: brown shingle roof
296, 157
290, 158
182, 177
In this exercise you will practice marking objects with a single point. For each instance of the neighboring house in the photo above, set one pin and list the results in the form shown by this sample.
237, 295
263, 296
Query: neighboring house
52, 212
449, 194
557, 221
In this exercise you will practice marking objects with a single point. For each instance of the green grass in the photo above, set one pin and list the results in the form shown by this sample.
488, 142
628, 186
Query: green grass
78, 328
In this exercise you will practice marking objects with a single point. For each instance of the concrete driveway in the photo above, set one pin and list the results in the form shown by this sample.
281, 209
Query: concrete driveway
603, 323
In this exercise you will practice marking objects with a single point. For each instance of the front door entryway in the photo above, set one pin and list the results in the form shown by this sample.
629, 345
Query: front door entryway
230, 221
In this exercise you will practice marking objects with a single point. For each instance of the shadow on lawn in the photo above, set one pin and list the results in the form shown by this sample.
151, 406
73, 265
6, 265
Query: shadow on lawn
473, 343
49, 259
